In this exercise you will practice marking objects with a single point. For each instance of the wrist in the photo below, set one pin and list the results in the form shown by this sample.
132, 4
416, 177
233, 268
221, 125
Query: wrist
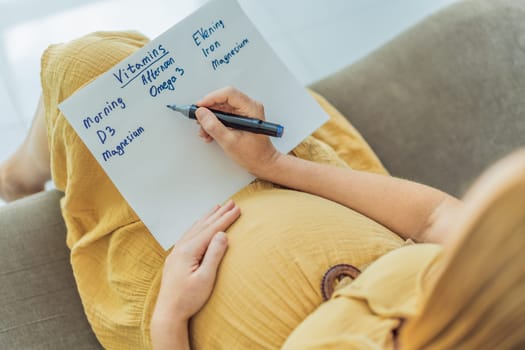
169, 334
163, 318
164, 324
270, 169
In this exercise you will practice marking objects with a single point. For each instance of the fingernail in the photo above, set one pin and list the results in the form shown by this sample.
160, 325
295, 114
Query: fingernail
202, 112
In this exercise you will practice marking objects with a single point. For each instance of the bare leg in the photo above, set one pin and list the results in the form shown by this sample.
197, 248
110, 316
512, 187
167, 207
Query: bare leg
28, 169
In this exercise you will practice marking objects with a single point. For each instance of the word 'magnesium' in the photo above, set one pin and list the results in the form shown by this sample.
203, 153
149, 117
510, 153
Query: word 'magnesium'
105, 112
120, 148
227, 58
126, 74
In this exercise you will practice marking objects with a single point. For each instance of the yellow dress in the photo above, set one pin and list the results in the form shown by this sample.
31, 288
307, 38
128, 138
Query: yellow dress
364, 314
269, 281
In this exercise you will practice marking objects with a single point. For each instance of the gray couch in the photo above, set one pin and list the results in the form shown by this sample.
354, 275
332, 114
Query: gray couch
438, 104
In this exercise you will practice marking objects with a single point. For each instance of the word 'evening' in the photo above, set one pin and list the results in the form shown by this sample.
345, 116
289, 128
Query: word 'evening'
203, 34
120, 149
129, 71
105, 112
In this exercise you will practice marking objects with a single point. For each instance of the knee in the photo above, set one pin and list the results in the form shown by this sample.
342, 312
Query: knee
79, 61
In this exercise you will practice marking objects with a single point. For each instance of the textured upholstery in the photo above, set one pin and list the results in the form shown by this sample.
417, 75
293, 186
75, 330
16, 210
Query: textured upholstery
445, 99
39, 304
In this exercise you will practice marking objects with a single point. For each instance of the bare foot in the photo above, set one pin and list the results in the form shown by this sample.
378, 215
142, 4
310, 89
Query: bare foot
17, 181
28, 169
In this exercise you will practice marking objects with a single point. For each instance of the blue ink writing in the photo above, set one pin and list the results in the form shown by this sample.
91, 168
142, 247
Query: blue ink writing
120, 149
169, 84
208, 50
103, 135
152, 74
128, 73
227, 58
105, 112
203, 34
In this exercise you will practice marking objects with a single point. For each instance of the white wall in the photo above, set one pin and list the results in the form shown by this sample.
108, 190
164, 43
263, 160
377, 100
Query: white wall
314, 38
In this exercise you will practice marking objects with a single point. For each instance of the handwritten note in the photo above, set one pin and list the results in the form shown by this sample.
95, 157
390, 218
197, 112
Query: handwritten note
152, 154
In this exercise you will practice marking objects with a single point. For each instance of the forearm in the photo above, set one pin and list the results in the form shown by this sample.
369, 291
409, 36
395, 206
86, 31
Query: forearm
188, 277
403, 206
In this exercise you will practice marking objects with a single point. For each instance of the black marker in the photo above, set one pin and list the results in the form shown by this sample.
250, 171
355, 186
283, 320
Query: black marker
233, 121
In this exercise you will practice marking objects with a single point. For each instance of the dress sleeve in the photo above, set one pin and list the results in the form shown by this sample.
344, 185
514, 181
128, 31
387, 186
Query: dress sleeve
364, 313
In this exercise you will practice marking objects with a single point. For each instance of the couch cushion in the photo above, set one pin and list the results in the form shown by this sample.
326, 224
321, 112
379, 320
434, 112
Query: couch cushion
445, 99
39, 304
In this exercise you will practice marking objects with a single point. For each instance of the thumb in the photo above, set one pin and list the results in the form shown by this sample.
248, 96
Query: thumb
214, 253
212, 125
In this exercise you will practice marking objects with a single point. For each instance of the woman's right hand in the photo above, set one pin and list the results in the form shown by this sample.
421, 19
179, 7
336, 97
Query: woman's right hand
254, 152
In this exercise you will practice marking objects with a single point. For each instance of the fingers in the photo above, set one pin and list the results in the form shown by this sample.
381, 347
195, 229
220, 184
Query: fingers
211, 212
214, 254
214, 128
231, 100
219, 219
210, 219
204, 135
223, 222
226, 95
197, 223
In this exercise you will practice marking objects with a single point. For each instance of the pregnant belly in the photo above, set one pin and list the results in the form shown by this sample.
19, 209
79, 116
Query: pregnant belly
270, 278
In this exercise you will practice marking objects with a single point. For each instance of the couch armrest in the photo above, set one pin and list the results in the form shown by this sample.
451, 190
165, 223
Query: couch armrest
39, 304
445, 99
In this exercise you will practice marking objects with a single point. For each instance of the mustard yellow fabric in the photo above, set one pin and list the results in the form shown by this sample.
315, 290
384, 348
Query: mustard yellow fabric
270, 279
363, 314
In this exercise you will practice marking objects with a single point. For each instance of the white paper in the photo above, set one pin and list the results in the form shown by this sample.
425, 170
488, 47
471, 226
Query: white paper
168, 175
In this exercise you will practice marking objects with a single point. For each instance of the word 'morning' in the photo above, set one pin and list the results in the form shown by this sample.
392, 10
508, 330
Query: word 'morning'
227, 58
119, 150
105, 112
204, 33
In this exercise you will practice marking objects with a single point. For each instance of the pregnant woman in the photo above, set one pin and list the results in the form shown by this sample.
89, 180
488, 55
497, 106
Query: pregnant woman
319, 252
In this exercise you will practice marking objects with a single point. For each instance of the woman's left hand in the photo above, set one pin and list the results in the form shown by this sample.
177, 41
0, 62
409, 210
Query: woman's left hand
191, 267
